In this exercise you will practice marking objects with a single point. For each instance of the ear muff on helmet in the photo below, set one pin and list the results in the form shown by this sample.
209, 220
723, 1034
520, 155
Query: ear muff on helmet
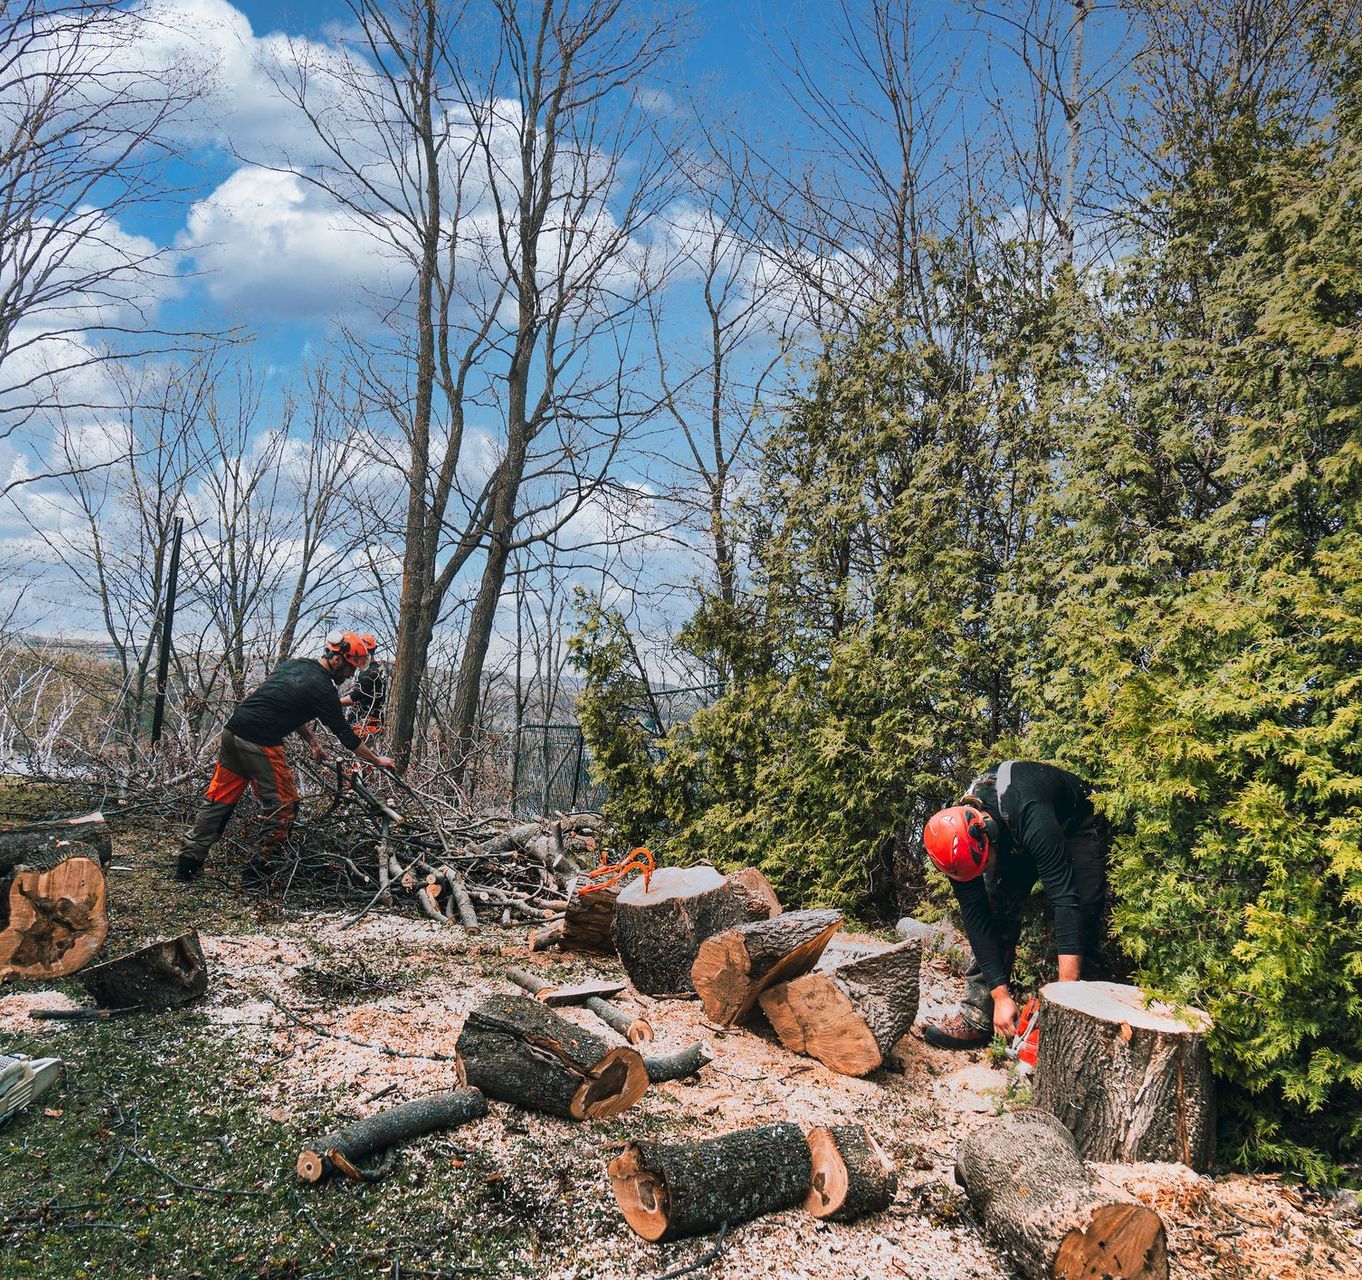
354, 648
958, 841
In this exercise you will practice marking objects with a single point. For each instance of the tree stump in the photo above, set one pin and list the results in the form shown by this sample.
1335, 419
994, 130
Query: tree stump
341, 1151
55, 921
1130, 1082
1026, 1180
161, 975
670, 1190
851, 1016
733, 968
589, 918
852, 1176
515, 1049
41, 845
659, 928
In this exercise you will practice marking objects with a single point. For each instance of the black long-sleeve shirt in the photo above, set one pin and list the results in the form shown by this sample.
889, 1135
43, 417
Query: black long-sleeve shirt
1036, 807
296, 691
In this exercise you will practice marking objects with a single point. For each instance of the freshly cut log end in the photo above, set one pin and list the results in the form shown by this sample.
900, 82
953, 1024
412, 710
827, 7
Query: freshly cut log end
56, 921
659, 927
851, 1177
161, 975
733, 968
1026, 1180
849, 1018
1129, 1078
667, 1191
517, 1050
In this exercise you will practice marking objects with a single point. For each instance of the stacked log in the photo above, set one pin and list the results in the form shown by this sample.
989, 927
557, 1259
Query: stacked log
54, 920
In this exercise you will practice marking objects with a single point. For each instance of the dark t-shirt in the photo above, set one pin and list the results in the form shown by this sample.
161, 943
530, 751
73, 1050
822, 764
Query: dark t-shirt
296, 691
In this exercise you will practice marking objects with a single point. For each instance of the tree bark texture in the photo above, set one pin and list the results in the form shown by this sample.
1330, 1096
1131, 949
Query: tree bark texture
515, 1049
670, 1190
358, 1141
852, 1176
55, 921
1130, 1080
685, 1062
851, 1016
635, 1030
734, 967
41, 845
1027, 1182
588, 922
161, 975
659, 927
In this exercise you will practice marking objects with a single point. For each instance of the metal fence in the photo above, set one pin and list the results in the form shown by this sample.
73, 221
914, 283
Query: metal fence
550, 771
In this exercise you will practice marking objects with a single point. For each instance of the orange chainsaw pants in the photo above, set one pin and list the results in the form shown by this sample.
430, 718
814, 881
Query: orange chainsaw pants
242, 764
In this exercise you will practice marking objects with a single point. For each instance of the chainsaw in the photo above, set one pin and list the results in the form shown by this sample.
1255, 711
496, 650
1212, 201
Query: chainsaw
24, 1080
1027, 1040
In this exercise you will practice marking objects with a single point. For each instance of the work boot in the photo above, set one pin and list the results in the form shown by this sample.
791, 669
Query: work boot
956, 1033
188, 868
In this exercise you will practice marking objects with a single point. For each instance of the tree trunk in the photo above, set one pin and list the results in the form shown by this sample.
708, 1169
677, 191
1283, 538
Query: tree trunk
516, 1050
161, 975
659, 926
55, 920
341, 1151
670, 1190
1132, 1083
1026, 1180
850, 1017
733, 968
42, 845
588, 922
852, 1176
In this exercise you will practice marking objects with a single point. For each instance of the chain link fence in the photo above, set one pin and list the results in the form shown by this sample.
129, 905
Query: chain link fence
550, 771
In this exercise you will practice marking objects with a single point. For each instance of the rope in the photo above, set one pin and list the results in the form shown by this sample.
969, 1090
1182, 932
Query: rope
609, 874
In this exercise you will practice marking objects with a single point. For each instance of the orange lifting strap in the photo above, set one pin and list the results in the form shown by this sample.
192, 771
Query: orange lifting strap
609, 874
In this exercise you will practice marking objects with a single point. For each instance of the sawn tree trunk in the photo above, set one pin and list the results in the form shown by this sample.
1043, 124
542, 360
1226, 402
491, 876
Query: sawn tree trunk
54, 921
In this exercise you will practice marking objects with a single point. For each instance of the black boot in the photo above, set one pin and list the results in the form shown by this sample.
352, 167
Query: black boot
956, 1033
188, 868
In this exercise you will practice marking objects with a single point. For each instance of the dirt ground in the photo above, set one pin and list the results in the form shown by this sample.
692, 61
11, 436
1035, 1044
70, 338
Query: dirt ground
298, 1033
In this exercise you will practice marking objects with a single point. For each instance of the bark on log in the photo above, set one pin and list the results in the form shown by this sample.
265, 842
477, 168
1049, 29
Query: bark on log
55, 921
358, 1141
517, 1050
852, 1176
685, 1062
635, 1030
161, 975
41, 845
1130, 1082
670, 1190
551, 935
659, 928
733, 968
849, 1017
1026, 1180
589, 919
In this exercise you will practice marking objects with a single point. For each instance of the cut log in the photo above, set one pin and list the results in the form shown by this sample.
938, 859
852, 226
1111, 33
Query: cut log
685, 1062
670, 1190
55, 922
852, 1176
849, 1017
1026, 1180
550, 935
634, 1030
659, 927
733, 968
1130, 1079
517, 1050
341, 1151
41, 845
161, 975
589, 919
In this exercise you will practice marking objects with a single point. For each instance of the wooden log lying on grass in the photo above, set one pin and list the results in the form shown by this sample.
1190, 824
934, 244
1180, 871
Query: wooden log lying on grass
40, 845
54, 921
851, 1177
1026, 1180
1129, 1079
734, 967
517, 1050
670, 1190
341, 1152
851, 1016
659, 926
160, 975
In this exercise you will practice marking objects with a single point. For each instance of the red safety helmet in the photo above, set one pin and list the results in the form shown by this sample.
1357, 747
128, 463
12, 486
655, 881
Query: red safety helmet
957, 841
353, 647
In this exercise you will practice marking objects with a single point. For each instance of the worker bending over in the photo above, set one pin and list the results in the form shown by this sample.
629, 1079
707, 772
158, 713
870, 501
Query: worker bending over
1019, 822
296, 692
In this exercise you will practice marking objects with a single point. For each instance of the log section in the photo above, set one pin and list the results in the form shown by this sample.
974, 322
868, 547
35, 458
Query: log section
55, 921
1129, 1079
659, 928
589, 918
1026, 1180
849, 1017
634, 1030
670, 1190
852, 1176
515, 1049
734, 967
41, 845
161, 975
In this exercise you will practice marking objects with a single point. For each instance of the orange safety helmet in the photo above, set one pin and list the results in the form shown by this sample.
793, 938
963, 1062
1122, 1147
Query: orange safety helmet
353, 647
957, 841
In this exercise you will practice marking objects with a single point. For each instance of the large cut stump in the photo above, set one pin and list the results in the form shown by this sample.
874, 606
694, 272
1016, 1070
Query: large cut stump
340, 1152
589, 919
851, 1174
659, 927
161, 975
675, 1189
41, 845
516, 1050
733, 968
55, 921
851, 1016
1131, 1080
1027, 1182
